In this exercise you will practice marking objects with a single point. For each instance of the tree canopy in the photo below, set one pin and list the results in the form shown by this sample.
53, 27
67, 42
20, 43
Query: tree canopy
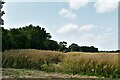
36, 37
32, 37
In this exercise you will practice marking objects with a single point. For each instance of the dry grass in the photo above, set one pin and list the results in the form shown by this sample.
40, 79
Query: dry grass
108, 58
103, 64
24, 73
30, 58
100, 64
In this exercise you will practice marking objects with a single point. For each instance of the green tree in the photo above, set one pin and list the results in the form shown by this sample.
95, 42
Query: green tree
38, 37
63, 45
20, 38
51, 45
6, 39
33, 37
89, 49
1, 12
74, 47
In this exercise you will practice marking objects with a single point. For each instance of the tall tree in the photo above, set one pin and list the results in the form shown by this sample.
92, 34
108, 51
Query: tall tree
63, 45
74, 47
33, 37
51, 45
6, 39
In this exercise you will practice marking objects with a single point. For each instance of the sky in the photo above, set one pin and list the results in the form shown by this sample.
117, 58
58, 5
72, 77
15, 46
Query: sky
74, 21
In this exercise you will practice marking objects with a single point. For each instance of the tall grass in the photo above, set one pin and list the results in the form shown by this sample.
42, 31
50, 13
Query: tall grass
31, 59
99, 64
103, 64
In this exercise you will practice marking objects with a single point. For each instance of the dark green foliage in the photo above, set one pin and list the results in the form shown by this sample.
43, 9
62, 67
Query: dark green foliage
88, 49
35, 37
51, 45
19, 39
28, 37
116, 72
74, 47
6, 39
1, 12
117, 51
63, 47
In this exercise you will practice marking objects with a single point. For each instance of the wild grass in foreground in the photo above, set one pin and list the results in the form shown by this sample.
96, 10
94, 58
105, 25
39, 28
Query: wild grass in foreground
93, 64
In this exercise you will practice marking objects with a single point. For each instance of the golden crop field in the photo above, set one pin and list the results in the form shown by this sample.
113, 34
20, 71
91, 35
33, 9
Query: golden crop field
96, 64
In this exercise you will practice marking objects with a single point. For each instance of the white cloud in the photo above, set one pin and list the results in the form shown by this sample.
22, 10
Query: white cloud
109, 29
68, 28
103, 6
67, 13
72, 27
86, 27
76, 4
101, 40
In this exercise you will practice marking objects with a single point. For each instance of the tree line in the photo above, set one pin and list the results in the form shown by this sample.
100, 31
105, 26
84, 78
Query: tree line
36, 37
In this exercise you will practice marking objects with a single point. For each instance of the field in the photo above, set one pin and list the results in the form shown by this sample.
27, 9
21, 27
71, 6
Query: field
75, 63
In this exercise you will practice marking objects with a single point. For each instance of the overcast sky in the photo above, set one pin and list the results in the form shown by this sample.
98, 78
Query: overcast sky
85, 23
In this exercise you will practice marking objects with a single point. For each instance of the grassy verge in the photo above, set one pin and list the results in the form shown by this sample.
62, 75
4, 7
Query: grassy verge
25, 73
